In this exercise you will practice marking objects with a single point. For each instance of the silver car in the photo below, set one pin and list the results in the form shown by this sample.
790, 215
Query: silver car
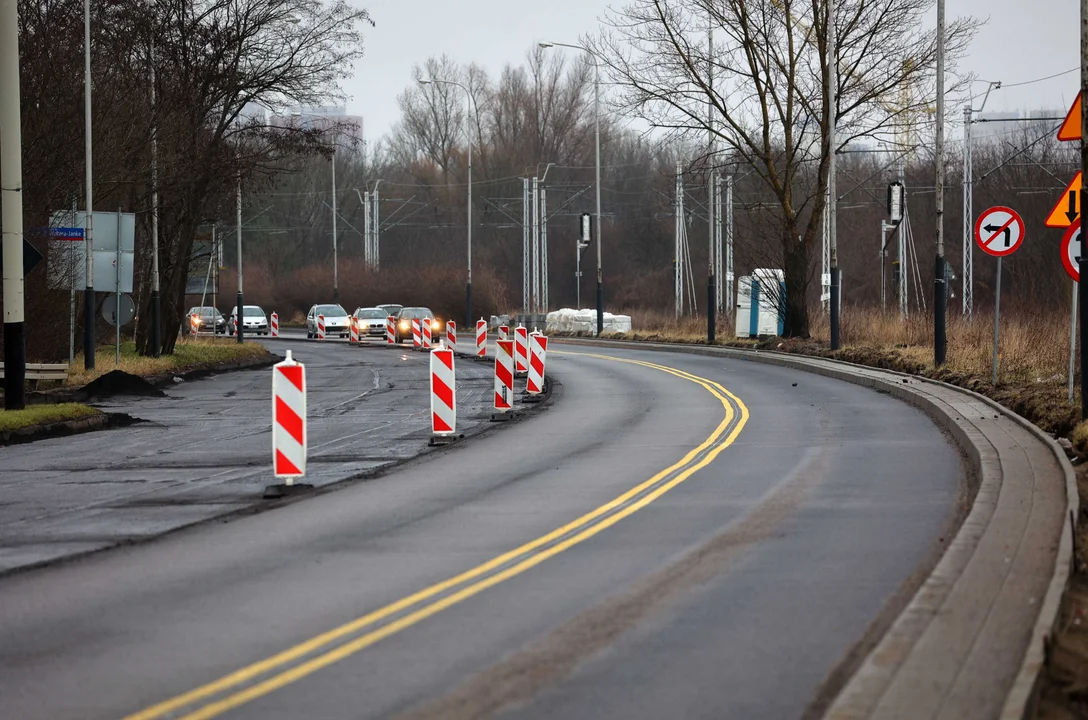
370, 321
254, 320
337, 321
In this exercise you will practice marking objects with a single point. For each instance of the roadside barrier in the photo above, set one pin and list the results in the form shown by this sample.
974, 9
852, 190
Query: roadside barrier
504, 377
289, 419
390, 331
504, 332
320, 327
353, 335
417, 340
194, 324
234, 326
274, 325
538, 349
443, 393
451, 336
425, 327
481, 338
521, 350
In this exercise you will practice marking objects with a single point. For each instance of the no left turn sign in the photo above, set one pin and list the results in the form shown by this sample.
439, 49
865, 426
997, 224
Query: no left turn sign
999, 231
1071, 251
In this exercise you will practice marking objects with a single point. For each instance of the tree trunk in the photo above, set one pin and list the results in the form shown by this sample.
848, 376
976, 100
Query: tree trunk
795, 255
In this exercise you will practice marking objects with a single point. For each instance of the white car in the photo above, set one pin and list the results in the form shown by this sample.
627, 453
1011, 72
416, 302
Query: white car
370, 322
337, 321
254, 320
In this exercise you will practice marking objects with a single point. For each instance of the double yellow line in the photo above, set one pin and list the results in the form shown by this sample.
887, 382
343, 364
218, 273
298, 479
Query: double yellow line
266, 676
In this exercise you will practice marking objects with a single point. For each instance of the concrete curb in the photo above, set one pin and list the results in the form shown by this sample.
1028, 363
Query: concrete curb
64, 428
900, 653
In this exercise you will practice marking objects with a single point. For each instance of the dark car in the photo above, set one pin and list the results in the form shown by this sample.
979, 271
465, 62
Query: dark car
390, 308
208, 318
404, 322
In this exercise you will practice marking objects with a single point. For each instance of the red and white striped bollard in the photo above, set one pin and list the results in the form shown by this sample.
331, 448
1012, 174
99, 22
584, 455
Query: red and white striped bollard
504, 332
521, 350
425, 332
274, 324
289, 419
538, 349
504, 376
481, 338
417, 339
390, 331
451, 336
194, 324
443, 393
320, 327
353, 333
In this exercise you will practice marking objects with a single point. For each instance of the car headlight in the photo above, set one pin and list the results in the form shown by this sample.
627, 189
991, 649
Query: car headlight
435, 325
403, 324
196, 321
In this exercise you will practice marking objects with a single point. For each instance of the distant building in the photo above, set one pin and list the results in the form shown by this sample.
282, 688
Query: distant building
995, 125
322, 117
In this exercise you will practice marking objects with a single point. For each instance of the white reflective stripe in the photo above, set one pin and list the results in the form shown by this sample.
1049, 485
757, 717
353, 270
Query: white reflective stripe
448, 413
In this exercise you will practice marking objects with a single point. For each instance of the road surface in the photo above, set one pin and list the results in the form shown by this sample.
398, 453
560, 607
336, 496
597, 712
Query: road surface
677, 536
205, 449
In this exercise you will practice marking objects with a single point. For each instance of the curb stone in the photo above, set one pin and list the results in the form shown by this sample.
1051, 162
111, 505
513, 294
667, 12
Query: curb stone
973, 625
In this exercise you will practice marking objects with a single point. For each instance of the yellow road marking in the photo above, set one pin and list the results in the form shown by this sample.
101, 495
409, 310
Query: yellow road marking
339, 653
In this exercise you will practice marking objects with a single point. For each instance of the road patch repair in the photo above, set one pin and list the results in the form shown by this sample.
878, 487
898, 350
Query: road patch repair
202, 449
971, 642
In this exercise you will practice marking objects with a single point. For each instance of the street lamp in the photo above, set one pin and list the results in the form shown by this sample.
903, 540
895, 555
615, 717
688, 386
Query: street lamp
469, 102
597, 134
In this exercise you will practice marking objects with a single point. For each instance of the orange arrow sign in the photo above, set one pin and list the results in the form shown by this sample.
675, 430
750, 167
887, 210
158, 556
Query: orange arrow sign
1070, 129
1068, 208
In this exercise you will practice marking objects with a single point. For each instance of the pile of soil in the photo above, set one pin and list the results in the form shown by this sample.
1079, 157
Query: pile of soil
120, 383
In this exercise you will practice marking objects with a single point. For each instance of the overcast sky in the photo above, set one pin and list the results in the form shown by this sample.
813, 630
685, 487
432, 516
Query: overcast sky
1022, 40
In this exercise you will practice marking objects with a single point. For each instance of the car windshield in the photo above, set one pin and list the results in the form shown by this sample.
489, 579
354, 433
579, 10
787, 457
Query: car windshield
416, 313
370, 314
202, 311
253, 311
391, 309
330, 311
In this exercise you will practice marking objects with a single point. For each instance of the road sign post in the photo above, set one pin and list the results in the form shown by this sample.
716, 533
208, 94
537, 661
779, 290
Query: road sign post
1071, 253
999, 232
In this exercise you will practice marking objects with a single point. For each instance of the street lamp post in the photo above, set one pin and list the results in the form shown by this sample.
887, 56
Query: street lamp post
597, 142
88, 233
239, 310
11, 180
469, 102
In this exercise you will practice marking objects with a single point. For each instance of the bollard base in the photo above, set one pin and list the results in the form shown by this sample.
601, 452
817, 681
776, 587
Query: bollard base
276, 492
480, 358
503, 417
532, 398
441, 440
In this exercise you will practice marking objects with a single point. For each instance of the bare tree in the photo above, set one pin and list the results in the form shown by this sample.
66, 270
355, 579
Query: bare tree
762, 92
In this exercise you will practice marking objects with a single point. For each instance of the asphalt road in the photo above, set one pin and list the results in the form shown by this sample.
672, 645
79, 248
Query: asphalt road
205, 449
656, 544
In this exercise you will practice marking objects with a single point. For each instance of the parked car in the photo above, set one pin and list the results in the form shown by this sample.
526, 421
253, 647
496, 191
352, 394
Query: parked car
370, 322
404, 322
390, 309
254, 320
336, 321
209, 319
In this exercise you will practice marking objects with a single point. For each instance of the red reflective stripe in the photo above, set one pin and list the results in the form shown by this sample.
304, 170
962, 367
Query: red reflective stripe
504, 375
499, 402
442, 391
537, 364
438, 424
445, 357
285, 466
293, 374
289, 420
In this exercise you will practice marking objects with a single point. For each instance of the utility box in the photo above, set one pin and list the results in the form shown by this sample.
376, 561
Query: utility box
760, 303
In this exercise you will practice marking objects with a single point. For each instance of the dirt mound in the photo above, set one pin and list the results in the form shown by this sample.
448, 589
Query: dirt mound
118, 382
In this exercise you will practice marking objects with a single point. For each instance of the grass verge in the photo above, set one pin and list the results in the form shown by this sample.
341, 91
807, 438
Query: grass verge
43, 415
189, 354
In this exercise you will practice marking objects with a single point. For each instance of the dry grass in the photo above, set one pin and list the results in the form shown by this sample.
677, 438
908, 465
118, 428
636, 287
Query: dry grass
189, 354
1033, 348
43, 415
